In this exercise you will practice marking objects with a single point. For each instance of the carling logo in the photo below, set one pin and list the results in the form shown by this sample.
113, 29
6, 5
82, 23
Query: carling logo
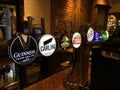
47, 45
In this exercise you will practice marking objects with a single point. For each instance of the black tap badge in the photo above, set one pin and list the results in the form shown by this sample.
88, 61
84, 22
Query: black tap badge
64, 42
23, 49
47, 45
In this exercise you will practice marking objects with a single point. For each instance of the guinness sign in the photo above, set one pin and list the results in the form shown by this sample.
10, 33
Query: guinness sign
23, 49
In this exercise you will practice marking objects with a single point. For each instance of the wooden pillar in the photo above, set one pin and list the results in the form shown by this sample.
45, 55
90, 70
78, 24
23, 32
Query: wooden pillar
102, 7
77, 15
102, 14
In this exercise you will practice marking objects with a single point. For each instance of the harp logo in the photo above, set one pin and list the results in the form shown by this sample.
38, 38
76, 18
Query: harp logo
47, 45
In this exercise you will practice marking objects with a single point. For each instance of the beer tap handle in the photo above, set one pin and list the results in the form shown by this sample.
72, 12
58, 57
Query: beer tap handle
65, 27
43, 25
72, 29
56, 27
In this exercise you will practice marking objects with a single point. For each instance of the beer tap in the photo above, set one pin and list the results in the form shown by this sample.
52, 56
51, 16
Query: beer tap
65, 27
56, 27
72, 28
43, 25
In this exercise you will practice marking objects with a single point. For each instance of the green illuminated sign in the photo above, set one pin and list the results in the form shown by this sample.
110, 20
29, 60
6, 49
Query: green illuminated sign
105, 35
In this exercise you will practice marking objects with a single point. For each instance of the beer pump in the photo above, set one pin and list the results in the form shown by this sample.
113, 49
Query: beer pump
77, 78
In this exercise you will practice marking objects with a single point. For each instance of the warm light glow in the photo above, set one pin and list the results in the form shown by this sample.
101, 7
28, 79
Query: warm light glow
102, 2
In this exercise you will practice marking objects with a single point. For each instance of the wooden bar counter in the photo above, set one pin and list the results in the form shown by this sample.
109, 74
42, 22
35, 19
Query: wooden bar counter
54, 82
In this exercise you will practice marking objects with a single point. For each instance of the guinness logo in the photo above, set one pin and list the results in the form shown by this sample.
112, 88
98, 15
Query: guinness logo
23, 49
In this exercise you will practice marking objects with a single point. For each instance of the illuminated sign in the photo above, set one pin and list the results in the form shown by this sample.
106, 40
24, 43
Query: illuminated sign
64, 42
23, 52
90, 34
96, 37
105, 35
76, 40
47, 45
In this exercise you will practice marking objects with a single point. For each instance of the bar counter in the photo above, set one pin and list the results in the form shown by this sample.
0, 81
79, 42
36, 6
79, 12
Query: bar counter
53, 82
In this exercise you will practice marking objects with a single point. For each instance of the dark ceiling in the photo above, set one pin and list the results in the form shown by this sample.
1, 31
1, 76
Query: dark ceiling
14, 1
8, 2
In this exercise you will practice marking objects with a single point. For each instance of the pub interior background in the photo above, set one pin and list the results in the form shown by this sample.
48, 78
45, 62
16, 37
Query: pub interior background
57, 17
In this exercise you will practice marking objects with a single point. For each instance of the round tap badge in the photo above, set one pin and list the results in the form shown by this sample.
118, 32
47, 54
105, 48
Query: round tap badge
96, 37
90, 34
76, 40
64, 42
23, 52
47, 45
105, 35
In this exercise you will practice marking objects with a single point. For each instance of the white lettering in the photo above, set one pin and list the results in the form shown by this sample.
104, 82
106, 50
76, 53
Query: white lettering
22, 55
